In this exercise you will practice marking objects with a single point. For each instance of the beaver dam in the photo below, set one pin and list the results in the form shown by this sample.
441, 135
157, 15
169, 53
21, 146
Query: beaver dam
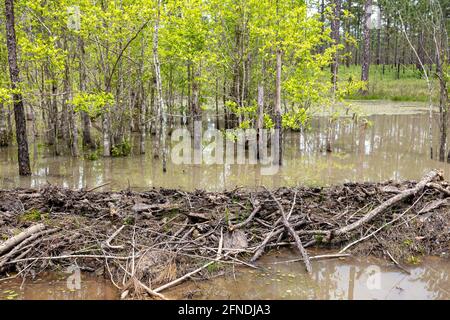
148, 242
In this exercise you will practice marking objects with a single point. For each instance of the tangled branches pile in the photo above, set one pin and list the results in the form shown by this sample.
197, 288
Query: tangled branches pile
146, 242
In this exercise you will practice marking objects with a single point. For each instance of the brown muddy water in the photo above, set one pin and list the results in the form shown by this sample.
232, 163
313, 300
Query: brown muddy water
394, 146
278, 278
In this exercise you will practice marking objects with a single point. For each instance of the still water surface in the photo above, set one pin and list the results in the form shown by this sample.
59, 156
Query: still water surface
395, 145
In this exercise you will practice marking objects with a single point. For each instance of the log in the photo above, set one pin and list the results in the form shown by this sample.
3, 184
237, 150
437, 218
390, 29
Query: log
12, 242
429, 177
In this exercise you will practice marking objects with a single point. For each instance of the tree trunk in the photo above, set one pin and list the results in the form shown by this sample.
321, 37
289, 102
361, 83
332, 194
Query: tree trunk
260, 121
365, 65
19, 112
162, 119
278, 108
4, 139
85, 121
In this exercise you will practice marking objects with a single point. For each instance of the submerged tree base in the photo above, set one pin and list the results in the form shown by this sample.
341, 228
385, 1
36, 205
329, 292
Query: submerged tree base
146, 242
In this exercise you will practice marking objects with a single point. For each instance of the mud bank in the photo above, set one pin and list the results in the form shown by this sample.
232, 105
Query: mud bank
148, 242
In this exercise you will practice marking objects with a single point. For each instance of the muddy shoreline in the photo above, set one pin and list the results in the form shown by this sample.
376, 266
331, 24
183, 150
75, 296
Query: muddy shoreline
147, 242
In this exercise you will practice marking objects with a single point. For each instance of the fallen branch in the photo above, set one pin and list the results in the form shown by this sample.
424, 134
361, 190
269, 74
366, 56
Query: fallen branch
150, 291
247, 221
432, 175
380, 228
291, 230
12, 242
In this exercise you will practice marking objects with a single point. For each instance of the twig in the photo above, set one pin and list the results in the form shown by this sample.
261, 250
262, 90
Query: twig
111, 238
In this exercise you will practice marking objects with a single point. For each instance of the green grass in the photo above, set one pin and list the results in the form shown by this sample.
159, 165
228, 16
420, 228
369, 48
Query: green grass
409, 87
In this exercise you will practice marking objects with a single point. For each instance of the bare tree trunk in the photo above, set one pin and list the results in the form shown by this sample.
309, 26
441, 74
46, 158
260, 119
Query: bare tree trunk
85, 121
142, 112
335, 34
365, 65
278, 108
260, 121
19, 113
4, 139
162, 119
106, 135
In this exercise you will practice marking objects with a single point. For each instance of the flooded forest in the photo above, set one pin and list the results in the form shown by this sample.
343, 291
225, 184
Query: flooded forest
224, 149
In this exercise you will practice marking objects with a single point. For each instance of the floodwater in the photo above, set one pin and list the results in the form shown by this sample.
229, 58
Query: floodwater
59, 286
393, 145
345, 278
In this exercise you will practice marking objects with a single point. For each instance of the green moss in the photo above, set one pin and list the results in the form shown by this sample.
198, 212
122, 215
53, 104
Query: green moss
33, 215
128, 220
214, 267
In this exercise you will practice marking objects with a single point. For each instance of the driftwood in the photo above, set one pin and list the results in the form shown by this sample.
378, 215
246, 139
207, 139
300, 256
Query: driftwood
10, 243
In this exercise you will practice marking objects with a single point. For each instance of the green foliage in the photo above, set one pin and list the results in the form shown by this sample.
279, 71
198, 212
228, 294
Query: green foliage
94, 104
294, 119
92, 156
268, 122
122, 149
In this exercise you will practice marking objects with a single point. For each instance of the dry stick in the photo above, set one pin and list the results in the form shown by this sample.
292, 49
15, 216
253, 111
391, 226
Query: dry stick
219, 252
247, 221
397, 264
318, 257
291, 230
10, 243
87, 256
272, 234
150, 291
432, 175
187, 275
108, 242
380, 228
98, 187
176, 281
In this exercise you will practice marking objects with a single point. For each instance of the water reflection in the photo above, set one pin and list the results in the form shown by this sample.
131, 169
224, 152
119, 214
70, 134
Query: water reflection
389, 147
351, 278
53, 286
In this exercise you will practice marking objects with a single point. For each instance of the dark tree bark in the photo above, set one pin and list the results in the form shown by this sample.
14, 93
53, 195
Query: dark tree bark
19, 112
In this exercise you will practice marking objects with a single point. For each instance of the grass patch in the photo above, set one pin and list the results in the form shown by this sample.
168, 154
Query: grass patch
411, 86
